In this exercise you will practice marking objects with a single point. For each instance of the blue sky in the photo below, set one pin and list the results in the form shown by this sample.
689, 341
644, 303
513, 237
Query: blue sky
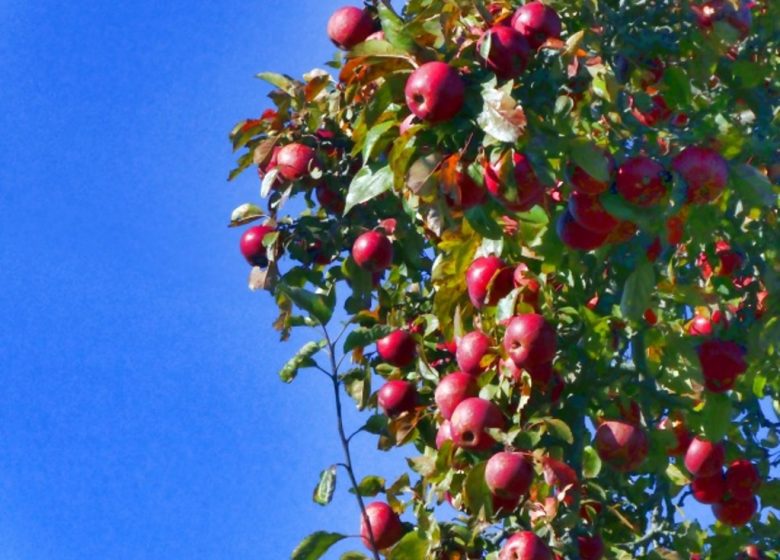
140, 413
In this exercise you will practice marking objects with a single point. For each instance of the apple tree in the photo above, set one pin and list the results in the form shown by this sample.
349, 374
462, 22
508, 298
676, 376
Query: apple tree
537, 244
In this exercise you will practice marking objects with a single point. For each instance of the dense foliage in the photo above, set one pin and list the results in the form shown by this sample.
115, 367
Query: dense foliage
559, 225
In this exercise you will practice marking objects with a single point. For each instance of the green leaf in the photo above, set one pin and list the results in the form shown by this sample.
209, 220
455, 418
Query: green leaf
411, 547
637, 291
354, 556
770, 494
323, 493
716, 416
591, 462
357, 383
395, 33
244, 214
592, 160
677, 477
316, 545
374, 136
753, 186
370, 486
301, 360
559, 429
362, 336
678, 86
476, 492
284, 83
759, 383
319, 306
366, 185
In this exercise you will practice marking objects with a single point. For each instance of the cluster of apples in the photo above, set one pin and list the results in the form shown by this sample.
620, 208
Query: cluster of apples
642, 181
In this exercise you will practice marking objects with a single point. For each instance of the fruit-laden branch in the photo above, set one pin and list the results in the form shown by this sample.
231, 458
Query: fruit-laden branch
334, 376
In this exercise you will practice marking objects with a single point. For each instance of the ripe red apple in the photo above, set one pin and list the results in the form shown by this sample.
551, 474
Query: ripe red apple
488, 279
330, 199
444, 433
295, 161
525, 545
640, 181
586, 183
722, 361
742, 479
373, 251
503, 506
709, 489
703, 326
710, 12
528, 284
385, 526
452, 390
704, 458
397, 348
621, 445
509, 51
471, 349
735, 513
522, 190
537, 23
588, 211
251, 245
435, 92
396, 397
730, 260
657, 114
576, 236
469, 421
349, 26
509, 474
590, 547
751, 552
530, 340
704, 171
682, 436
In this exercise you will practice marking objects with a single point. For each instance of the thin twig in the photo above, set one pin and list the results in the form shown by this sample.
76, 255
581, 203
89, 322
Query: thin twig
334, 376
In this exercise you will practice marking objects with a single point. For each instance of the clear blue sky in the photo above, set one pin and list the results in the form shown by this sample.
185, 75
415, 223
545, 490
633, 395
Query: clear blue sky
140, 412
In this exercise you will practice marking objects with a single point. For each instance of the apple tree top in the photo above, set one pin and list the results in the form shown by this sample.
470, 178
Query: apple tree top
549, 236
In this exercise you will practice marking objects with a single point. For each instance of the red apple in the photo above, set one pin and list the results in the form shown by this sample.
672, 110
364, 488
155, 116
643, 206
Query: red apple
452, 390
537, 23
396, 397
444, 433
509, 51
503, 506
509, 474
588, 211
578, 237
251, 245
710, 12
640, 181
469, 421
488, 279
525, 545
722, 361
704, 458
349, 26
373, 251
586, 183
330, 199
397, 348
703, 326
514, 184
590, 547
735, 513
621, 445
385, 526
657, 114
469, 193
529, 286
529, 340
751, 552
742, 479
435, 92
295, 161
704, 171
709, 489
471, 349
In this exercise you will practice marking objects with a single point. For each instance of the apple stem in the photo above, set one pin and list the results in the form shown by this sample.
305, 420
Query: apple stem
334, 376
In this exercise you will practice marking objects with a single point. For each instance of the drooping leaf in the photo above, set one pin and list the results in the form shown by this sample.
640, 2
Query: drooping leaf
591, 159
591, 462
319, 306
412, 545
245, 214
363, 336
395, 32
370, 486
368, 184
716, 416
637, 291
316, 545
323, 492
284, 83
301, 360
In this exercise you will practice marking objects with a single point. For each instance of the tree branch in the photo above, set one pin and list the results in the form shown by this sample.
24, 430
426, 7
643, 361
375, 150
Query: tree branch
334, 376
